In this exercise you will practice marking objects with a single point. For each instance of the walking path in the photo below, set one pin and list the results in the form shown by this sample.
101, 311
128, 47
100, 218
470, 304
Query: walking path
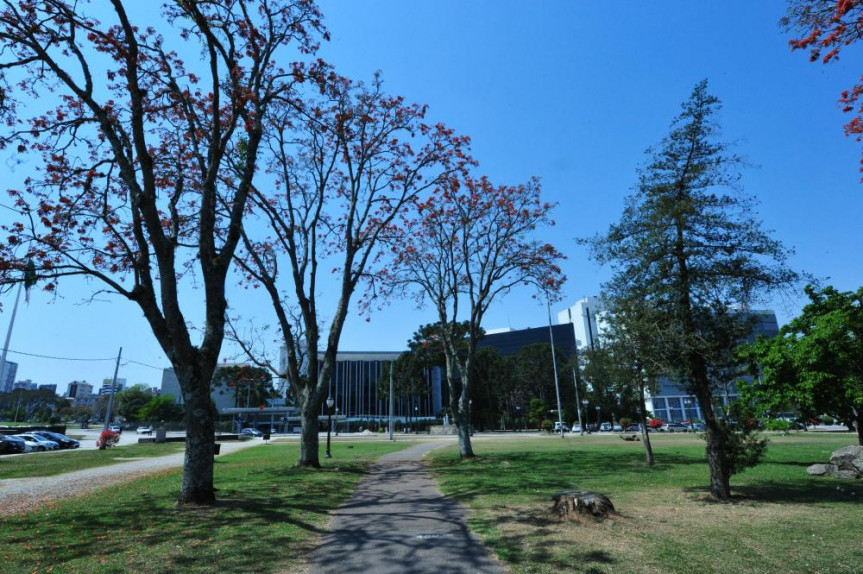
397, 521
25, 494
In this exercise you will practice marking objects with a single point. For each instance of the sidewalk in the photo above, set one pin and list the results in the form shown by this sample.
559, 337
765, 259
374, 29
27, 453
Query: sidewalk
397, 521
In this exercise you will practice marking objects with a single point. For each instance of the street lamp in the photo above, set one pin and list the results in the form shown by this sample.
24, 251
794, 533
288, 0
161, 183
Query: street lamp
687, 403
416, 419
330, 403
469, 416
597, 417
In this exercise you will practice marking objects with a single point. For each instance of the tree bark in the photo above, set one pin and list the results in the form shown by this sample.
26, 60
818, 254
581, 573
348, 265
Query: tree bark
858, 416
197, 485
645, 435
309, 439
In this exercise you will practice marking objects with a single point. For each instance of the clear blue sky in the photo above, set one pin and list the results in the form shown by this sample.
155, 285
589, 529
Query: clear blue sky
572, 92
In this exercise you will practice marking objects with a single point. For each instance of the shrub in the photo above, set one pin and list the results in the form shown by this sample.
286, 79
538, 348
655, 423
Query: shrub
547, 425
107, 438
625, 422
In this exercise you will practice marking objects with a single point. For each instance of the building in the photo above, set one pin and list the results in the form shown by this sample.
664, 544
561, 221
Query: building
105, 389
27, 385
79, 390
671, 402
586, 319
51, 387
7, 377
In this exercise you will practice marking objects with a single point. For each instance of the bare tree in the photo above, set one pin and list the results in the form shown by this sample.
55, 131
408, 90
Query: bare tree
140, 186
471, 244
346, 167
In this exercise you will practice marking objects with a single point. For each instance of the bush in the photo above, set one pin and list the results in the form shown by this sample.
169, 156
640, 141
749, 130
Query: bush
107, 439
547, 425
625, 422
778, 425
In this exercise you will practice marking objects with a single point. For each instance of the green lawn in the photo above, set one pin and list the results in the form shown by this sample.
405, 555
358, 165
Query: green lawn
267, 518
61, 461
781, 520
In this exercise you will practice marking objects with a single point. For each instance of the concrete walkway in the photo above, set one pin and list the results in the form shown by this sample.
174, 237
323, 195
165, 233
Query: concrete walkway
397, 521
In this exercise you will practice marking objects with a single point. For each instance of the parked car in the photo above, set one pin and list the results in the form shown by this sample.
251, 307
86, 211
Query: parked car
145, 430
616, 428
576, 428
61, 439
557, 427
634, 427
116, 428
605, 427
38, 444
18, 443
11, 445
251, 432
673, 427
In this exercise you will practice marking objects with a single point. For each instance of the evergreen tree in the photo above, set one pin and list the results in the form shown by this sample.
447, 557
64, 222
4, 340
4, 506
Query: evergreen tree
688, 246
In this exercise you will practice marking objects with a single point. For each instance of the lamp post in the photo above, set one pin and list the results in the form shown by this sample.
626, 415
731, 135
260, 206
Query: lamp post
597, 417
416, 418
330, 403
584, 402
469, 416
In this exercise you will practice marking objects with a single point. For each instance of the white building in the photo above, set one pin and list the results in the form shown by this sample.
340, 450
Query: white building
586, 319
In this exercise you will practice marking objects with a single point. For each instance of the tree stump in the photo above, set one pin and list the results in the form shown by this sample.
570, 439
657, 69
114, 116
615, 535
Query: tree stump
633, 437
572, 503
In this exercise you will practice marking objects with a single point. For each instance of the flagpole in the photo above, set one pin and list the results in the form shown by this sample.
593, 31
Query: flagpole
8, 337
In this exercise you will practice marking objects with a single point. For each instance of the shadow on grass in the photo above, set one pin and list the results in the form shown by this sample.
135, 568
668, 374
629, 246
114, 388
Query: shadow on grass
806, 491
549, 471
254, 525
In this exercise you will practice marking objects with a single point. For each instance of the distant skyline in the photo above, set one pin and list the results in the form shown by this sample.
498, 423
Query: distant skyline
572, 92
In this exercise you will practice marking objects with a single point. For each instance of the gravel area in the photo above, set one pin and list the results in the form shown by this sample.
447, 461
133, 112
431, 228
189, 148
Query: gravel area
19, 495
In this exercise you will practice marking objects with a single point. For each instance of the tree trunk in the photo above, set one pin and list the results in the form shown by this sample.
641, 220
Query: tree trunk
465, 449
717, 460
717, 450
645, 436
200, 437
859, 420
309, 441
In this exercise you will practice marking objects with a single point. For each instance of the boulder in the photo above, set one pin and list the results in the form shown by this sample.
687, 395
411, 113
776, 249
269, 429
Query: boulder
821, 469
845, 474
849, 458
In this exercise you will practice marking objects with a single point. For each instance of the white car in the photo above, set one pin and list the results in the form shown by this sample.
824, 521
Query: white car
557, 427
39, 443
145, 430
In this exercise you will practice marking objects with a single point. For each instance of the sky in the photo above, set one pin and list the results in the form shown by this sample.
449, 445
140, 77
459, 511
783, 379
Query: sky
573, 92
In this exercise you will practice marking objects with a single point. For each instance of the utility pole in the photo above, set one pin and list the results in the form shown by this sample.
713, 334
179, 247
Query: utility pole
113, 389
554, 364
575, 377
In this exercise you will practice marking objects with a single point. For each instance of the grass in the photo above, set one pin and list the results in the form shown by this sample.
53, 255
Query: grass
268, 517
62, 461
781, 519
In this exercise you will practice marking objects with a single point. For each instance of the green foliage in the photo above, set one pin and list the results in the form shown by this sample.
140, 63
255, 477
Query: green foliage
814, 363
547, 425
744, 448
537, 413
131, 400
778, 425
164, 408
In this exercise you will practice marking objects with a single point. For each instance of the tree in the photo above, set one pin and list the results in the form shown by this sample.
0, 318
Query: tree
471, 243
130, 401
250, 385
161, 409
698, 258
146, 167
825, 28
815, 362
346, 165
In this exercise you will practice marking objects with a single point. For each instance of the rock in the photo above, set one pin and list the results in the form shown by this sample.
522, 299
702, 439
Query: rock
845, 474
849, 458
570, 503
821, 469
